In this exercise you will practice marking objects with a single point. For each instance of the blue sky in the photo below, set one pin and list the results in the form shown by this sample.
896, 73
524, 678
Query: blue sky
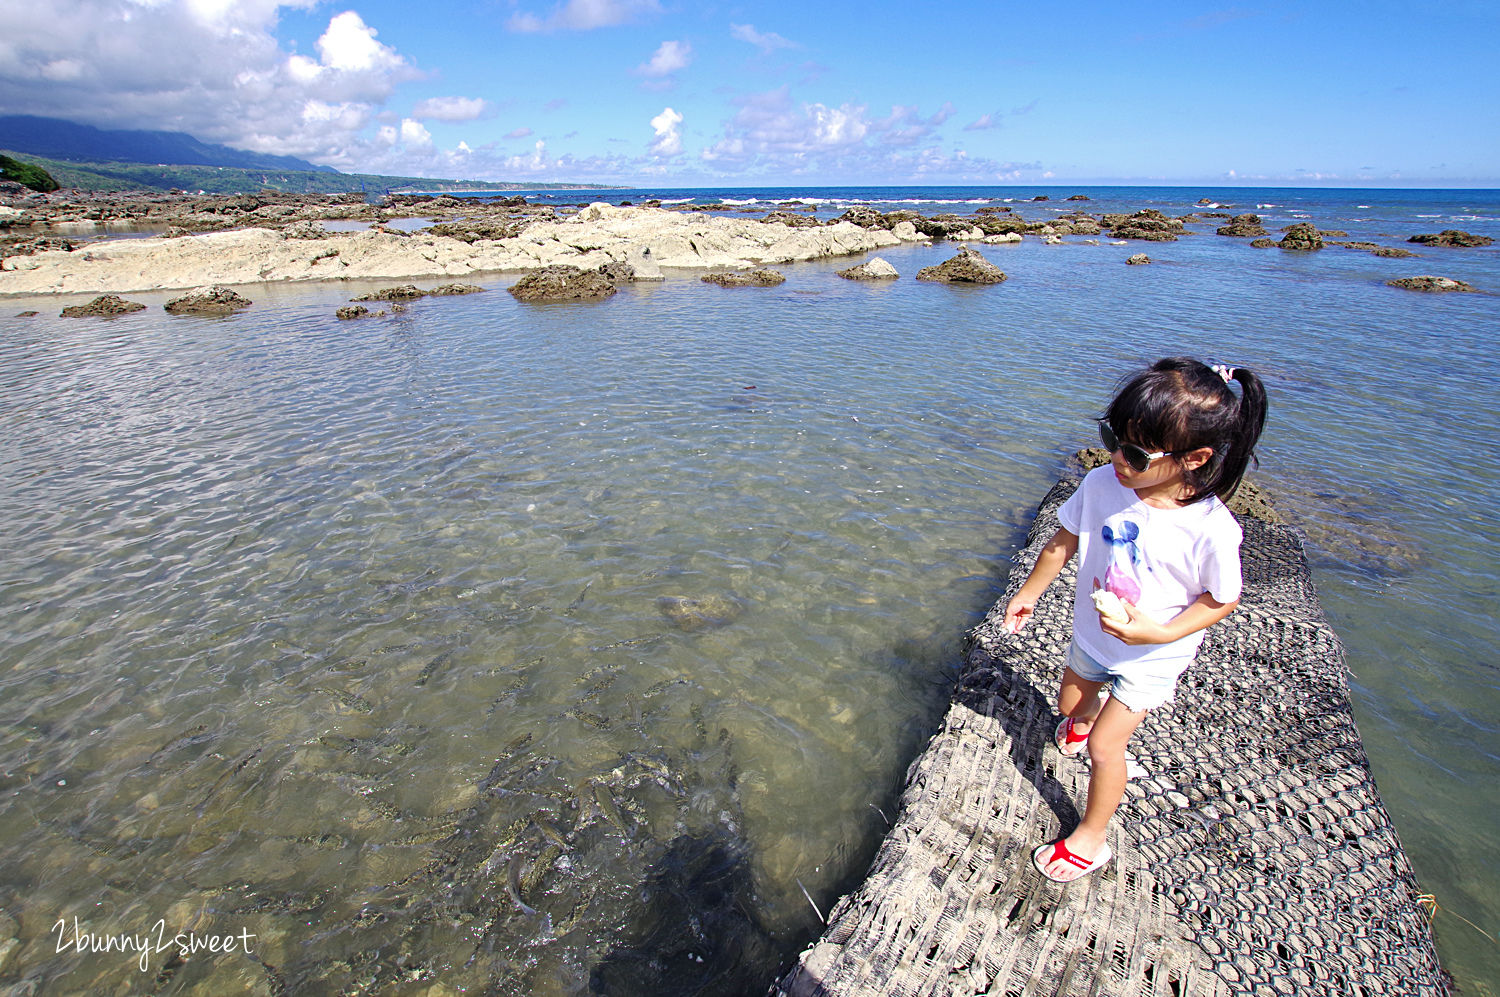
664, 93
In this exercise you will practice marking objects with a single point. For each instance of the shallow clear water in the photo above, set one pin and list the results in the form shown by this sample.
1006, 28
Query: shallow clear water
356, 635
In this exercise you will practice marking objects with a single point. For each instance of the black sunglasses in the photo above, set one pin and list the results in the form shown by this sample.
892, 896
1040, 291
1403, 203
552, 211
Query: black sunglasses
1135, 456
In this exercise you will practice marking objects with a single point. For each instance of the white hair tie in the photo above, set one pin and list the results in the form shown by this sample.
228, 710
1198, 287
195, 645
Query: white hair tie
1225, 371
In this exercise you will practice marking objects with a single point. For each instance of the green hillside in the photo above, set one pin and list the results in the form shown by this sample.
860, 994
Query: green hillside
231, 180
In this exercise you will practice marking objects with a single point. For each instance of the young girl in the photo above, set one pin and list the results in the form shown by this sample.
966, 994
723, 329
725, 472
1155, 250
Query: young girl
1149, 528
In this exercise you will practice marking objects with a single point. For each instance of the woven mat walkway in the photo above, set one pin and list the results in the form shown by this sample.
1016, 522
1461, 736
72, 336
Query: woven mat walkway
1252, 855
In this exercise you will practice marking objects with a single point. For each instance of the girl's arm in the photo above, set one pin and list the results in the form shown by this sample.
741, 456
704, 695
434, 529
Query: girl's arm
1049, 565
1141, 629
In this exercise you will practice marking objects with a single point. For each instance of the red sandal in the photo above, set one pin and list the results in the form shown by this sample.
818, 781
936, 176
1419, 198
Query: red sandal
1053, 851
1068, 741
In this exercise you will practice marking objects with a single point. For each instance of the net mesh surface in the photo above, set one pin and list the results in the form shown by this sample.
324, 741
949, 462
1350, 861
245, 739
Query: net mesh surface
1252, 852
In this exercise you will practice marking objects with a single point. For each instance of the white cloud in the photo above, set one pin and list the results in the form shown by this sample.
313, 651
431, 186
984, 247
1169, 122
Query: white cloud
984, 122
767, 41
349, 44
450, 109
670, 57
211, 68
584, 15
668, 141
516, 133
413, 133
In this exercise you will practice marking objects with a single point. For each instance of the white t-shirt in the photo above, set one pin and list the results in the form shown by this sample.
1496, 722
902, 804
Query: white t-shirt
1160, 560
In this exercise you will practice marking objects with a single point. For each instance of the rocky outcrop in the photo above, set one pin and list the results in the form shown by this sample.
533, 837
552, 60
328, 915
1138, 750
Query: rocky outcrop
562, 282
791, 218
1138, 259
1430, 284
968, 267
1246, 226
483, 229
1080, 197
745, 278
406, 292
1452, 237
646, 238
216, 300
1302, 236
104, 306
617, 272
1148, 224
354, 311
447, 290
876, 269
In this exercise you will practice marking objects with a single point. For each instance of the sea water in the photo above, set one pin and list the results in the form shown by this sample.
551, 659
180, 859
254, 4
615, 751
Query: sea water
362, 643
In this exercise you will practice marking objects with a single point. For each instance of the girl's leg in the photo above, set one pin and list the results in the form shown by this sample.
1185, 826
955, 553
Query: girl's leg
1107, 741
1079, 698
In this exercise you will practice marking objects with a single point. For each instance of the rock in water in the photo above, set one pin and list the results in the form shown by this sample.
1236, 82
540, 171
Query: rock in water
216, 300
445, 290
405, 292
968, 267
1148, 224
105, 305
707, 613
1303, 236
1431, 284
1138, 259
353, 311
1244, 225
751, 278
876, 269
1452, 237
562, 282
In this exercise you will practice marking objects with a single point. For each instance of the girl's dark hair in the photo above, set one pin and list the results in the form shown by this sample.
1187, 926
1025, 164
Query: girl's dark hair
1181, 404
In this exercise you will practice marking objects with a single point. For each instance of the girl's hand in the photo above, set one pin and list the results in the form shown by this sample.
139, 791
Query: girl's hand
1138, 628
1017, 612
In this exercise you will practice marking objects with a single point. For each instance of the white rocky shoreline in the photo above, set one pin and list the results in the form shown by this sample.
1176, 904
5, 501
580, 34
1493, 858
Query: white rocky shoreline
646, 238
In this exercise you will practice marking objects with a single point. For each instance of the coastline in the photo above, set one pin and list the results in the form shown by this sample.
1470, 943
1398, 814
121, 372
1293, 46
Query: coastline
305, 251
75, 243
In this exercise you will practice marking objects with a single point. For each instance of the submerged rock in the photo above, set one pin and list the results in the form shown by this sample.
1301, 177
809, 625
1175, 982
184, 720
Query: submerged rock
968, 267
105, 306
1430, 284
1396, 252
563, 282
745, 278
1452, 237
876, 269
1302, 236
354, 311
1138, 259
444, 290
216, 300
708, 613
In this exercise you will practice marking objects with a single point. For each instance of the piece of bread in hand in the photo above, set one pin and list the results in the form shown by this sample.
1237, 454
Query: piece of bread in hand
1110, 607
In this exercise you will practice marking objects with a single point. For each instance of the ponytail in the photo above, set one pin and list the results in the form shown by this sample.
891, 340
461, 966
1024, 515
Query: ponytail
1245, 433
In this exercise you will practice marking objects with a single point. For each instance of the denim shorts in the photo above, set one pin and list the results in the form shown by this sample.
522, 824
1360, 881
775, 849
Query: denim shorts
1138, 687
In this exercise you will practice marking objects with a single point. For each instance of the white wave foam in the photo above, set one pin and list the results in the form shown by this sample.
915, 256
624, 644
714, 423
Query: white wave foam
737, 200
1265, 206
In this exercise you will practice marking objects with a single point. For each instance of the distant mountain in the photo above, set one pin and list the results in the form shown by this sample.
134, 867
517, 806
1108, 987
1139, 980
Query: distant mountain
53, 138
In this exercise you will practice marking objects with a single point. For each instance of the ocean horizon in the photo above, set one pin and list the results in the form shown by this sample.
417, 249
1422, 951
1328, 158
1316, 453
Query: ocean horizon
475, 635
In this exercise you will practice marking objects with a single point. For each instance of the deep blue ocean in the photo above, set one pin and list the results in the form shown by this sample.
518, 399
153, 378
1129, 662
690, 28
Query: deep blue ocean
281, 593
